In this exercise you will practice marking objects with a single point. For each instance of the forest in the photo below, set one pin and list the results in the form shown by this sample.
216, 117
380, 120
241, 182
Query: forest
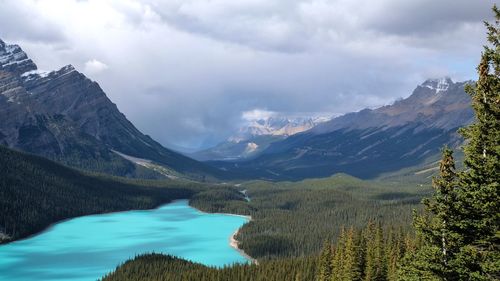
36, 192
291, 219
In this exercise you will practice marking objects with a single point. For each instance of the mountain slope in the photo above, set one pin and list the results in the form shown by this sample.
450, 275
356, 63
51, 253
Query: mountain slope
370, 142
256, 136
36, 192
65, 116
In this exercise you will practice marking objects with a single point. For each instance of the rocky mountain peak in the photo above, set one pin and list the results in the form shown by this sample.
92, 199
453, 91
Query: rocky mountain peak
276, 126
65, 116
439, 85
14, 59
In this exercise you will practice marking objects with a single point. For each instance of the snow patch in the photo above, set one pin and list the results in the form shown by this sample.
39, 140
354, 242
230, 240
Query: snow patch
29, 75
439, 85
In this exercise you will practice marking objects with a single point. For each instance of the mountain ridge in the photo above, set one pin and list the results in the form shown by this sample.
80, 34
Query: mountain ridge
255, 136
65, 116
369, 142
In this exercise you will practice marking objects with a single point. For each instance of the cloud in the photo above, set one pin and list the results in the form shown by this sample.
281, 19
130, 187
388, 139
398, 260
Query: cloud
187, 71
257, 114
18, 22
94, 66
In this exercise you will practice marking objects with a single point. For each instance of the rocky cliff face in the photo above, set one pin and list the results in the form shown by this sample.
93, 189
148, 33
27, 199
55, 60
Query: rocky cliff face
65, 116
371, 142
436, 103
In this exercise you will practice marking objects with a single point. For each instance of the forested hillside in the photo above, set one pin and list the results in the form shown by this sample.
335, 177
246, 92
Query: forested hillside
35, 192
368, 254
291, 219
156, 267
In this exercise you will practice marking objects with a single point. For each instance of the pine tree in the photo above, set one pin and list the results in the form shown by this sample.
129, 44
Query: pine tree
351, 268
479, 192
375, 264
435, 228
325, 263
338, 257
460, 231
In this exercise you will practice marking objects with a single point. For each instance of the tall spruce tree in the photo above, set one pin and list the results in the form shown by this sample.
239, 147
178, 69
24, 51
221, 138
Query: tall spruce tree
479, 192
435, 228
324, 272
460, 230
351, 268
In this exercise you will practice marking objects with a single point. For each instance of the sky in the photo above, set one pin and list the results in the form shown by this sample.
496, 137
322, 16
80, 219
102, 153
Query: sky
190, 72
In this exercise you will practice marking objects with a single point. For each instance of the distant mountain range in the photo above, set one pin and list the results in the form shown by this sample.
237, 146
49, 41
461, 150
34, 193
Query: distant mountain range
64, 116
256, 136
370, 142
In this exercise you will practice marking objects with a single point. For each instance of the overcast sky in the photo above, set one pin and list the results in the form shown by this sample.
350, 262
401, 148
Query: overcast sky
188, 72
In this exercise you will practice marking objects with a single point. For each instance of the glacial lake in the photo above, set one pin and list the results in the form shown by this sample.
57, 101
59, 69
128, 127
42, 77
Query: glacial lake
86, 248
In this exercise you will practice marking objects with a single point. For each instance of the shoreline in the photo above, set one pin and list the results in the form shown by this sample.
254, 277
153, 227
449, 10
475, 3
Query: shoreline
235, 245
233, 242
53, 224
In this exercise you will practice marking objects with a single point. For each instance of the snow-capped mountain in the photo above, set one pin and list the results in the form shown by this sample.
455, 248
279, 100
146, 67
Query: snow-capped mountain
371, 142
276, 126
64, 116
257, 135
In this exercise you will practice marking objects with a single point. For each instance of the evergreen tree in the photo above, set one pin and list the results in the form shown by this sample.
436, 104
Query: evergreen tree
351, 268
325, 263
338, 257
460, 231
479, 192
375, 264
436, 228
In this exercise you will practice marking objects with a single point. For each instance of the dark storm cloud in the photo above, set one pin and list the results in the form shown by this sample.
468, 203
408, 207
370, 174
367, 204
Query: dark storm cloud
185, 71
429, 17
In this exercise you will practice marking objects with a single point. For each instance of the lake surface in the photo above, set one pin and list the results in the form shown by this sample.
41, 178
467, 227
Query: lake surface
87, 248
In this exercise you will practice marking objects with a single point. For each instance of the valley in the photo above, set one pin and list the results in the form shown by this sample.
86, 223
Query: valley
278, 210
299, 160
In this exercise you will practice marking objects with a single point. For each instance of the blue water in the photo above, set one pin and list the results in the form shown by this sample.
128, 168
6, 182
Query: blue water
87, 248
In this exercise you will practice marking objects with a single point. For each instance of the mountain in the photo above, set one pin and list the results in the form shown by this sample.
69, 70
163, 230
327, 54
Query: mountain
254, 137
65, 116
370, 142
276, 126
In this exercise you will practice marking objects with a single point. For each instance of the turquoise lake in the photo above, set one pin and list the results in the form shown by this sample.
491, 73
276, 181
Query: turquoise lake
86, 248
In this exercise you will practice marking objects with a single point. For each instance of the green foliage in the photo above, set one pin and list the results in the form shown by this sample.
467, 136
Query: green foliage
460, 236
35, 192
437, 228
291, 219
369, 254
156, 267
325, 268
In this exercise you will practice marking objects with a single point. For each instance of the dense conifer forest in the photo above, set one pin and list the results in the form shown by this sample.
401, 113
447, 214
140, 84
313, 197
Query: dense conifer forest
156, 267
291, 219
36, 192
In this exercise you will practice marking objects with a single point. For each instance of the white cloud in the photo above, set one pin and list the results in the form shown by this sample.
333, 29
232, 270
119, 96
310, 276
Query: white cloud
94, 66
257, 114
184, 70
